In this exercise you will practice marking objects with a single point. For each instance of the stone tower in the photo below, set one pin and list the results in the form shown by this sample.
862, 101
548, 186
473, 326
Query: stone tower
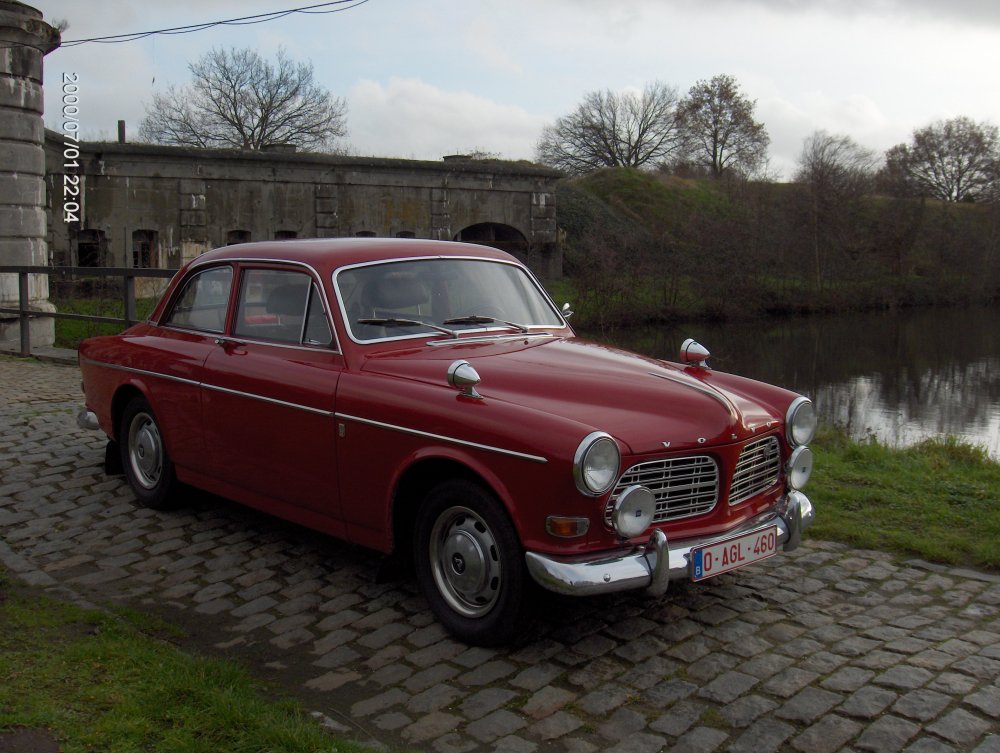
25, 39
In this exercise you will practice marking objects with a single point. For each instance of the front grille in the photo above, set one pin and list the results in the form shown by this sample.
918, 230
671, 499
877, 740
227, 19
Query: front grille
757, 469
682, 486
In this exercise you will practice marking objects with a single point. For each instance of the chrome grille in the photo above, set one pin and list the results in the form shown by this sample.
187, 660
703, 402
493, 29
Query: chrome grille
682, 486
757, 469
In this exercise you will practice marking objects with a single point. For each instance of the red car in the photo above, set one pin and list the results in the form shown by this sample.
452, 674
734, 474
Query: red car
428, 399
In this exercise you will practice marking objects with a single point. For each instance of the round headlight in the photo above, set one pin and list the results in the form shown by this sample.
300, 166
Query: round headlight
595, 465
633, 511
800, 422
800, 466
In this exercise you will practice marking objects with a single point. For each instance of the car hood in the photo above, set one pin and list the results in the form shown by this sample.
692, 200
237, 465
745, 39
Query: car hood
647, 404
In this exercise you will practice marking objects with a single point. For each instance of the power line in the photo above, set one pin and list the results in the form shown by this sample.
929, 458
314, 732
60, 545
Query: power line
341, 5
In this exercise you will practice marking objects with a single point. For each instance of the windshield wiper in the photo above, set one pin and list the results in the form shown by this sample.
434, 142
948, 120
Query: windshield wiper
477, 319
393, 322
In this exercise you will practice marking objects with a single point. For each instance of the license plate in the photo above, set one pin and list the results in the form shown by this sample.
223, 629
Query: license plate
723, 556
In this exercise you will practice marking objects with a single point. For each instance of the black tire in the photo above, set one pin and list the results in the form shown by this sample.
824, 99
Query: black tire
470, 564
144, 456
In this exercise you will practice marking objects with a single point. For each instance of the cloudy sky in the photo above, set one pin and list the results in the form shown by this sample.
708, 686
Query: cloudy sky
425, 78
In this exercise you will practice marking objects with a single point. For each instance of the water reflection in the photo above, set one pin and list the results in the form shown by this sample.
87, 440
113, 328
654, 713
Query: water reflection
901, 376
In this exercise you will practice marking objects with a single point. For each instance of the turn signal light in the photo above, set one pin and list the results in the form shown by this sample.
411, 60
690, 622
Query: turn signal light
565, 527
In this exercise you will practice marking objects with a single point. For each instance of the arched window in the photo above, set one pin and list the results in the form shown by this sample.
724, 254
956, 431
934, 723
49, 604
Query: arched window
237, 236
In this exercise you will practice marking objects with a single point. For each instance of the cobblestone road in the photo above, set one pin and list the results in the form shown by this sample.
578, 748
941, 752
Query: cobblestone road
821, 651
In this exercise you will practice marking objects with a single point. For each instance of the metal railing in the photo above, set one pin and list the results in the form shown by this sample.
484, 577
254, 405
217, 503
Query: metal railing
25, 313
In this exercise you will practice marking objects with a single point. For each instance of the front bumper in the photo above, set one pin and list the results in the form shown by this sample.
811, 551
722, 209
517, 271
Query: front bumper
658, 562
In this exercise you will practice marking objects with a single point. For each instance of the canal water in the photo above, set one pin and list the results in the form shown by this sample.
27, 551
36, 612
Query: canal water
899, 376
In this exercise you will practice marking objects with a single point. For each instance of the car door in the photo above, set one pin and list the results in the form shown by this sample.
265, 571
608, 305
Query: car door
269, 391
172, 361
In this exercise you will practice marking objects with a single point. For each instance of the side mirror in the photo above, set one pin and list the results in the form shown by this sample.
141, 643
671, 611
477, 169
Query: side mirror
694, 353
463, 375
567, 312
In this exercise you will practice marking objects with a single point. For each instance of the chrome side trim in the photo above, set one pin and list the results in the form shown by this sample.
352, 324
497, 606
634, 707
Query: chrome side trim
212, 387
142, 372
270, 400
442, 438
654, 564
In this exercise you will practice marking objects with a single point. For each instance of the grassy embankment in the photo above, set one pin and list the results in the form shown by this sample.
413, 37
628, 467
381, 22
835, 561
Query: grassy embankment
640, 247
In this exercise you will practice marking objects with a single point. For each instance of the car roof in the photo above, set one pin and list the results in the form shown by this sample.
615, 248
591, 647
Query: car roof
326, 254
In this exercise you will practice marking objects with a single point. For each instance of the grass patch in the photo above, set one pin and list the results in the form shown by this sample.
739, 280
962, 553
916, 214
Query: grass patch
101, 682
70, 333
938, 500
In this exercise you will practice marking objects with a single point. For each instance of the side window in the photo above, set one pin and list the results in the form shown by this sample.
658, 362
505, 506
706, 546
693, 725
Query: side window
203, 303
317, 324
281, 306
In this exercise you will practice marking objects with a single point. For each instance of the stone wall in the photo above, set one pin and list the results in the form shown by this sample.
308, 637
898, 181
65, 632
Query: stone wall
150, 205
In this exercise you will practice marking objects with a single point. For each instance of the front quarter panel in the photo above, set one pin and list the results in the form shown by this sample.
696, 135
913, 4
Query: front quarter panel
388, 424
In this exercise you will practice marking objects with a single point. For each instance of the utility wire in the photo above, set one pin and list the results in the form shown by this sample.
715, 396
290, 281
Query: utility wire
260, 18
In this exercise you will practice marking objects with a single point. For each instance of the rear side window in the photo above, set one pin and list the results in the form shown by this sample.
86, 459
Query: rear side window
203, 302
282, 306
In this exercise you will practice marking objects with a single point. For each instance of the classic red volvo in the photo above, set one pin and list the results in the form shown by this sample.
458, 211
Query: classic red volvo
427, 398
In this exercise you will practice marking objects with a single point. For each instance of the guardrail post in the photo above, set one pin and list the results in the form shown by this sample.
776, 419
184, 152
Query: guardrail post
129, 280
23, 299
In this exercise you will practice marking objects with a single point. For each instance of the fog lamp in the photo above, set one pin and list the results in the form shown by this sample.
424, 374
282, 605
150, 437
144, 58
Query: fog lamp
633, 511
799, 468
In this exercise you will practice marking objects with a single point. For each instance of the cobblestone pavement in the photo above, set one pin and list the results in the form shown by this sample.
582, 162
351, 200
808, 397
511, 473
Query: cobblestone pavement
820, 651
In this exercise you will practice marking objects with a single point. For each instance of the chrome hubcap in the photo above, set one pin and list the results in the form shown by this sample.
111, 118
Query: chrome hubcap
466, 561
145, 450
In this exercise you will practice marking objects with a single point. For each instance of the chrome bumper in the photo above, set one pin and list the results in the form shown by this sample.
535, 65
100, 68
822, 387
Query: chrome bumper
658, 562
87, 419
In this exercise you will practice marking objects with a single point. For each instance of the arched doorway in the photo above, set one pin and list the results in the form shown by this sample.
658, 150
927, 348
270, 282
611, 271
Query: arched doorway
495, 234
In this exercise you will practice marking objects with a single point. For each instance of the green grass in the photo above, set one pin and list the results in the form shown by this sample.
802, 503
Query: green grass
70, 333
938, 500
112, 682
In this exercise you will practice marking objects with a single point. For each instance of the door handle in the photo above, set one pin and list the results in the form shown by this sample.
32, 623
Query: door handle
225, 342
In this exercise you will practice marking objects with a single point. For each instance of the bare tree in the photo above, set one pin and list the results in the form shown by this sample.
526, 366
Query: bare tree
719, 126
237, 99
837, 173
952, 160
836, 166
610, 129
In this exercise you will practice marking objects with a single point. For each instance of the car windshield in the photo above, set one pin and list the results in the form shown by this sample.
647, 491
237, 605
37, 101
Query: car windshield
390, 300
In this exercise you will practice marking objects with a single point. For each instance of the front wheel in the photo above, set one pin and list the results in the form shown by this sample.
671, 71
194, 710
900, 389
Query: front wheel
469, 564
144, 457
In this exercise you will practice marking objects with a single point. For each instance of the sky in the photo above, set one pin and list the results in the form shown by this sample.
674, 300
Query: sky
426, 78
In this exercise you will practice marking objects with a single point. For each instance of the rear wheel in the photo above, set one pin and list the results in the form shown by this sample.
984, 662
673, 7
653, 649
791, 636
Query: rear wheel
470, 564
145, 461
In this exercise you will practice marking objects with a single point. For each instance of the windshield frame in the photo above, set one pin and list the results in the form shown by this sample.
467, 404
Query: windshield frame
496, 329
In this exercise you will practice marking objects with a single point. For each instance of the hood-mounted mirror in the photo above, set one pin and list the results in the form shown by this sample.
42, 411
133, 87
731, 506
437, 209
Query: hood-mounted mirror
693, 353
463, 375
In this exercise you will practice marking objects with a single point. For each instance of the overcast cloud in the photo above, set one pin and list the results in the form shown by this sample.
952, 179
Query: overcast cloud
424, 79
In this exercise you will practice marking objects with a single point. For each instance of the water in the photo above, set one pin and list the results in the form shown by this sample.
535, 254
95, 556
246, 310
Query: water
900, 376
